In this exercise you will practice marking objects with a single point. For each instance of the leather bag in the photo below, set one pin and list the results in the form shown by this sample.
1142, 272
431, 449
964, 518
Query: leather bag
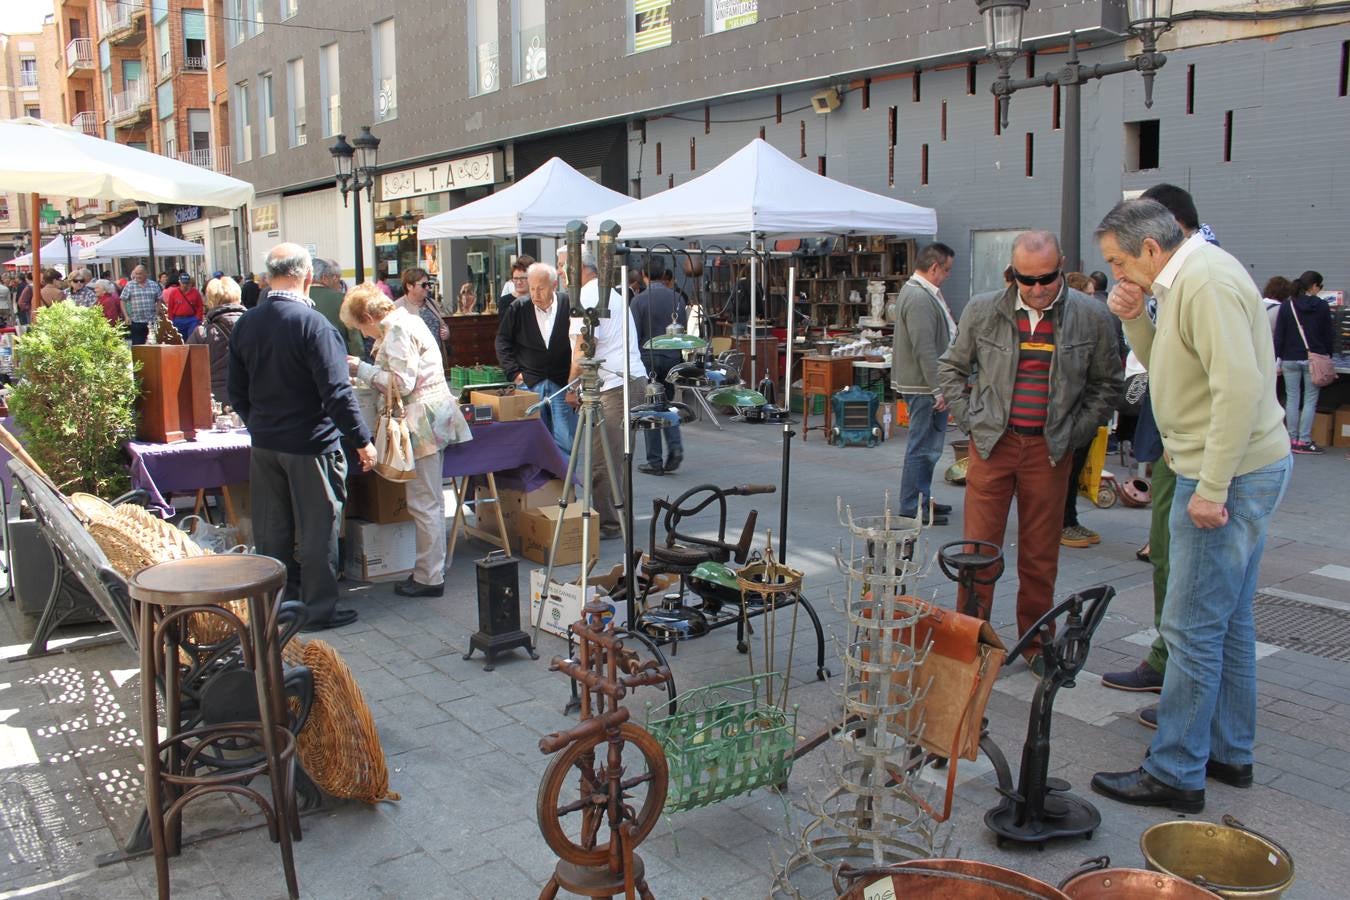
1320, 368
393, 442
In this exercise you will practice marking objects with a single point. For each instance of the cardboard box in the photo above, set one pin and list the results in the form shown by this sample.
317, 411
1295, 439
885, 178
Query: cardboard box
563, 604
509, 406
515, 503
380, 551
1321, 431
536, 535
377, 499
1340, 434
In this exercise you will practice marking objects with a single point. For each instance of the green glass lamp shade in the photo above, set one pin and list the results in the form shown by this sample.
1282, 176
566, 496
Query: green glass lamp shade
736, 395
675, 339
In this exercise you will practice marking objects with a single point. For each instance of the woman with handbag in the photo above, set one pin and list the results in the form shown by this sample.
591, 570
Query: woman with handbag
420, 417
1303, 340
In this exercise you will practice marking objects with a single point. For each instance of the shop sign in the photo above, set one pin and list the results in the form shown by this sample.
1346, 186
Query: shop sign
728, 14
452, 175
187, 214
265, 218
651, 24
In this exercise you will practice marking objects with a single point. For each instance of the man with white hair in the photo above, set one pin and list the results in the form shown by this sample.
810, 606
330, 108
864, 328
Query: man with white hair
289, 381
140, 303
534, 351
327, 295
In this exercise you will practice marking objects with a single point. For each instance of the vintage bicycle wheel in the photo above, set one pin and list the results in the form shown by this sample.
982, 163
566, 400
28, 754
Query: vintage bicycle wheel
572, 804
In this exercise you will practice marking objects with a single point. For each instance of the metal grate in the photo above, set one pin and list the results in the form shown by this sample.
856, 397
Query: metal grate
1305, 627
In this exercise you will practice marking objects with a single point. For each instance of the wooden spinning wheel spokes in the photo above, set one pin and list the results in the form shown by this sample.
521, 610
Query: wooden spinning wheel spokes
597, 830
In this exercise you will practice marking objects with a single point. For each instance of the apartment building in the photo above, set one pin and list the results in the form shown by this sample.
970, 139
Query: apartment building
643, 94
29, 86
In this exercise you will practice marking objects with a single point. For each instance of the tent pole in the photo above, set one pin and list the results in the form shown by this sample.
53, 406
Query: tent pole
788, 433
754, 289
35, 223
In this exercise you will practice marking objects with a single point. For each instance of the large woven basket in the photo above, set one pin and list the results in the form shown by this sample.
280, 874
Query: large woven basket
339, 746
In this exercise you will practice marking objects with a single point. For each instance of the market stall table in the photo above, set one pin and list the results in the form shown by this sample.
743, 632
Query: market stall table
215, 459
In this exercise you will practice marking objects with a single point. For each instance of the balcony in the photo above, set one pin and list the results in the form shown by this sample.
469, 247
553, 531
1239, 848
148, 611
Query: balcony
122, 21
87, 123
217, 159
79, 54
28, 78
128, 105
194, 64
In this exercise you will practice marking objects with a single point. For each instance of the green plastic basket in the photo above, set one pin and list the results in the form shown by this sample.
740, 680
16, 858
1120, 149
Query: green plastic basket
466, 376
725, 741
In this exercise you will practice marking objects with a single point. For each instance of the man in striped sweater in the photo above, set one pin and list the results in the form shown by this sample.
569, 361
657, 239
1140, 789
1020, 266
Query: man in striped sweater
1043, 370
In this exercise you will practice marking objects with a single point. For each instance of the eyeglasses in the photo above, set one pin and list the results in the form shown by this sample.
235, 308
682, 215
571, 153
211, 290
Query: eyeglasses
424, 285
1029, 280
77, 281
520, 278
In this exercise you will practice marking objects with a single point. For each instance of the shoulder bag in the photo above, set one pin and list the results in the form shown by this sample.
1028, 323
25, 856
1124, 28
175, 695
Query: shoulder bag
1320, 367
393, 442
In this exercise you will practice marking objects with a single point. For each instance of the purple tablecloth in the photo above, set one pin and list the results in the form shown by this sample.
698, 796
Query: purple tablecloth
521, 453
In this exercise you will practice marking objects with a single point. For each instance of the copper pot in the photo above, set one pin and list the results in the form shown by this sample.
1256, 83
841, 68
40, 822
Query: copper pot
1097, 881
945, 879
1230, 859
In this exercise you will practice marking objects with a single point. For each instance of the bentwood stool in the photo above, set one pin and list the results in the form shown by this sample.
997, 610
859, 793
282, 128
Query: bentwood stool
215, 757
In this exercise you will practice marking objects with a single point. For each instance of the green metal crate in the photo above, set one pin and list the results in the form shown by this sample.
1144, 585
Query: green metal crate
726, 740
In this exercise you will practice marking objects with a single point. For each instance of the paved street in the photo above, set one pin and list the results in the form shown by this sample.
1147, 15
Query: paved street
462, 743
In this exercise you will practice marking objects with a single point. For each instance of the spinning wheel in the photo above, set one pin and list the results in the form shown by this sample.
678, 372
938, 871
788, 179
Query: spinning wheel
575, 816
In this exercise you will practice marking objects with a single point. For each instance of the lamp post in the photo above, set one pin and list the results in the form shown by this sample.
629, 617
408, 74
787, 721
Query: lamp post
355, 166
20, 245
65, 226
149, 214
1003, 44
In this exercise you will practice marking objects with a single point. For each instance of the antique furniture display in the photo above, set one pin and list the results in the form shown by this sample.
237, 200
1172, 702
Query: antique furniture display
175, 400
823, 376
498, 609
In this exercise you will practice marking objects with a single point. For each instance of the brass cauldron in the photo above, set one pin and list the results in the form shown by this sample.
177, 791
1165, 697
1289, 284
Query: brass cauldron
1097, 881
945, 879
1229, 859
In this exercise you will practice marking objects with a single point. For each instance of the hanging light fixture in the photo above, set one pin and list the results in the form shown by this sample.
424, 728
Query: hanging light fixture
656, 413
675, 338
1003, 27
736, 395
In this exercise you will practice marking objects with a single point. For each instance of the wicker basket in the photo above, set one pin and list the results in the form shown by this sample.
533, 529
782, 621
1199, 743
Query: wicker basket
339, 746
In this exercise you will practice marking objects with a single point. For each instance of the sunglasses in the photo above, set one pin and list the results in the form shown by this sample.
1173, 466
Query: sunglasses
424, 285
77, 281
1029, 280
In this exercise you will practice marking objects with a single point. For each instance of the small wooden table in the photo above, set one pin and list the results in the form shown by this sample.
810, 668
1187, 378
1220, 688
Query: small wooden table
823, 375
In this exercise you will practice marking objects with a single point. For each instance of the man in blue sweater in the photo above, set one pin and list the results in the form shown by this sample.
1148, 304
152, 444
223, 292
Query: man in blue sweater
289, 383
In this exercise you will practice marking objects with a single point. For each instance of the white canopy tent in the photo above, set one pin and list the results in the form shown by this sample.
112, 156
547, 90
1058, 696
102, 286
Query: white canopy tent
541, 203
46, 158
54, 251
131, 241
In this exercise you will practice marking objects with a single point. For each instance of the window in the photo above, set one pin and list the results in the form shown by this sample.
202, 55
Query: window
199, 130
104, 56
28, 71
531, 61
243, 110
648, 25
484, 68
267, 122
244, 19
724, 15
164, 98
194, 39
159, 10
1141, 145
289, 8
385, 64
295, 100
168, 135
329, 91
33, 111
1031, 155
4, 207
162, 47
1228, 136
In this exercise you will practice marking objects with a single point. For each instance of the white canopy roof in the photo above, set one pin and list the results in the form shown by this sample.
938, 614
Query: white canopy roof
760, 190
45, 158
130, 241
542, 202
54, 252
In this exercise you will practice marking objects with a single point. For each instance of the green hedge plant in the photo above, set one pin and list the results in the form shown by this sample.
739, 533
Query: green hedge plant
75, 397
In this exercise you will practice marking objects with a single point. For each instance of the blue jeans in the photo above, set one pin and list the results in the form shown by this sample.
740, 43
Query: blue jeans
1299, 391
674, 442
559, 418
1208, 704
923, 448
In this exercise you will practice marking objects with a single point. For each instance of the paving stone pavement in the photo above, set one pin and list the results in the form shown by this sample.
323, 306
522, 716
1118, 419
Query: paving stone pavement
461, 743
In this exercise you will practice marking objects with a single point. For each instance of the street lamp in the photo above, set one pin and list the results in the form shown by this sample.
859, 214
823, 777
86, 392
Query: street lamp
1003, 44
20, 244
355, 165
149, 215
65, 226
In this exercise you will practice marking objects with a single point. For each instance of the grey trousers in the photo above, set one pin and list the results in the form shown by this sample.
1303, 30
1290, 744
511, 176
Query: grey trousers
611, 401
297, 504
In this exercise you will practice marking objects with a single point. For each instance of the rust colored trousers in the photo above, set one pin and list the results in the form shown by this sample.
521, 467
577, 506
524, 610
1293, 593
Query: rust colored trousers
1020, 467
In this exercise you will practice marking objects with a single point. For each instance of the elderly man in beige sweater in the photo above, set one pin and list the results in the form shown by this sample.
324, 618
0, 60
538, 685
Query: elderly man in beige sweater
1212, 367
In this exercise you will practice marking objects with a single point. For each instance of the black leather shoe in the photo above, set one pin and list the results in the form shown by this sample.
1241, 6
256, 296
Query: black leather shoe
941, 509
1232, 774
673, 462
649, 469
411, 588
339, 618
1142, 789
938, 519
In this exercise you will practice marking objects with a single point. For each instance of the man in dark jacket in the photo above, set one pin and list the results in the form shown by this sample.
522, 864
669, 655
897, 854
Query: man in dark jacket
653, 309
289, 383
534, 350
1045, 371
248, 292
924, 329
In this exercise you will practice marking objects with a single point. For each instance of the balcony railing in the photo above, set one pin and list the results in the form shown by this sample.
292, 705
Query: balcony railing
194, 63
217, 159
28, 78
80, 54
118, 15
87, 123
128, 102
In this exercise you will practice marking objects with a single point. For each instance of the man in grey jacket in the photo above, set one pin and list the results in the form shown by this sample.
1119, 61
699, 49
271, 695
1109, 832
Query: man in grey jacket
924, 329
1043, 371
